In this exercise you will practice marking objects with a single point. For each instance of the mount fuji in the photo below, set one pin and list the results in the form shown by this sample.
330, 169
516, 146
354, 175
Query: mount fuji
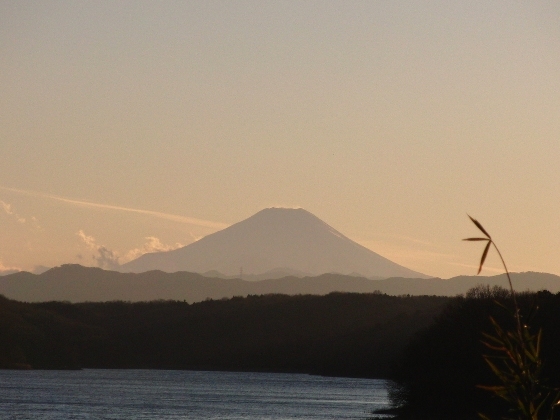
274, 239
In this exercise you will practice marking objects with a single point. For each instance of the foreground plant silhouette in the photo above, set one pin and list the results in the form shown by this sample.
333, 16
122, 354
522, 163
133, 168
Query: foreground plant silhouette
516, 361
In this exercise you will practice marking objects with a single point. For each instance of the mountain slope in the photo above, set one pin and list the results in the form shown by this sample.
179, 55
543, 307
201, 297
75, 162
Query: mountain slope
271, 239
75, 283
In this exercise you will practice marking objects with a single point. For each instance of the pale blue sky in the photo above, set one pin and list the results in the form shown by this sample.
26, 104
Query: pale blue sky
388, 120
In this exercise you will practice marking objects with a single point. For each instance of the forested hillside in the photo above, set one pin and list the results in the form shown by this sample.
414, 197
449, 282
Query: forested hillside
440, 370
75, 283
338, 334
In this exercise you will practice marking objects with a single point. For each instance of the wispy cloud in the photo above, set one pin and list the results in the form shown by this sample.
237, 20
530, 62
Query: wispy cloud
499, 269
89, 204
104, 257
153, 244
413, 240
195, 237
277, 205
405, 252
475, 267
111, 260
8, 210
4, 268
35, 223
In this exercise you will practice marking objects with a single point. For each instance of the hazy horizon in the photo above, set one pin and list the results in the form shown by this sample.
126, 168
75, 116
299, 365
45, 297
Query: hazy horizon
143, 126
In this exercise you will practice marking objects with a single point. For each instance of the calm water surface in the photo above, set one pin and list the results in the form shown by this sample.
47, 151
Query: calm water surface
157, 394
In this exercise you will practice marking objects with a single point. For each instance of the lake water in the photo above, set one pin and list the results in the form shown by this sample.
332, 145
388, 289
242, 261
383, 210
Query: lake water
160, 394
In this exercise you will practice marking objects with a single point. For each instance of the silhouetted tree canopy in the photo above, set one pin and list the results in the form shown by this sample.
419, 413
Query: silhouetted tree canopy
346, 334
441, 367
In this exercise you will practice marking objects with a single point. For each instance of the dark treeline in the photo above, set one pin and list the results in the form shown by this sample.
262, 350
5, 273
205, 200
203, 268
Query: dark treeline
440, 369
431, 346
346, 334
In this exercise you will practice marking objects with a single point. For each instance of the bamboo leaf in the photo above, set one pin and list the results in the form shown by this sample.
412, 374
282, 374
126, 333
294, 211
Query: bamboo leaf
494, 368
540, 405
539, 336
491, 388
509, 311
515, 357
534, 309
478, 225
491, 338
484, 254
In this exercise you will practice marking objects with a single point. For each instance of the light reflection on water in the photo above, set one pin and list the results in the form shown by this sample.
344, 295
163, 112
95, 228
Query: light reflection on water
160, 394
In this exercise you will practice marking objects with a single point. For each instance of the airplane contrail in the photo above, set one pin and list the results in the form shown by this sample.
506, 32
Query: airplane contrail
160, 215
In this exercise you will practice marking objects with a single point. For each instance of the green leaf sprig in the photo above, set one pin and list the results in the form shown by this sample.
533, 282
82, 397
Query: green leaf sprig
518, 365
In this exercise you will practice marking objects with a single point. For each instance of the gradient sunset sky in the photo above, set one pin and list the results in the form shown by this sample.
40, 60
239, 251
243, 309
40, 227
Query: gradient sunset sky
134, 126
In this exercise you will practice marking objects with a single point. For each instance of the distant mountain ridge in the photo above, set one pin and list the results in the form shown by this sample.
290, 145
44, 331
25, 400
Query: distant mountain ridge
272, 239
38, 269
76, 283
278, 273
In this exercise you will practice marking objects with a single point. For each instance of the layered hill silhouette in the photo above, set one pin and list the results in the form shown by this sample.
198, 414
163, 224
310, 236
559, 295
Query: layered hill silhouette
75, 283
292, 240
